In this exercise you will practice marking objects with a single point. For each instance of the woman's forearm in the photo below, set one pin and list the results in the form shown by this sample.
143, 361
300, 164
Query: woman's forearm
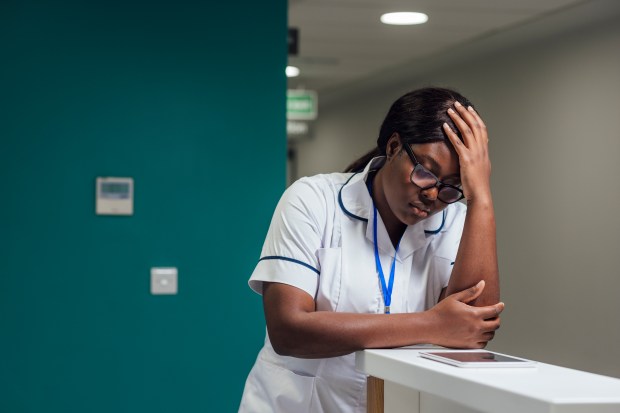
477, 254
323, 334
296, 329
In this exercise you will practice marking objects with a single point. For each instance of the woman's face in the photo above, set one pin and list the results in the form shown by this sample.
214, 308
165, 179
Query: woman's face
408, 202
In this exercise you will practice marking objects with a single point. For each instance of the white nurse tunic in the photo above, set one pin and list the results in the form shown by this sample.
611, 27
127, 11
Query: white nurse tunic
321, 241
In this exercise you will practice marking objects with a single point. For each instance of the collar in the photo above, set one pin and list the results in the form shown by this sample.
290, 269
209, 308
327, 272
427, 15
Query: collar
356, 203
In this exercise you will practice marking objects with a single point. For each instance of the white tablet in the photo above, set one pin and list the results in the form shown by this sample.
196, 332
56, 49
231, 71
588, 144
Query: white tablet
476, 358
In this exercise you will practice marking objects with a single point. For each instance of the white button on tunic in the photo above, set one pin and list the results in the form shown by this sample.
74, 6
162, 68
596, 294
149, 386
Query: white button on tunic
321, 241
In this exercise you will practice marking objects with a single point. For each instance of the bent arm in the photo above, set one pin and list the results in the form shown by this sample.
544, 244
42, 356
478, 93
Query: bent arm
477, 254
296, 329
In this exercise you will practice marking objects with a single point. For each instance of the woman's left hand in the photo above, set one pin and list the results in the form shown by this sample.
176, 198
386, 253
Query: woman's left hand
473, 152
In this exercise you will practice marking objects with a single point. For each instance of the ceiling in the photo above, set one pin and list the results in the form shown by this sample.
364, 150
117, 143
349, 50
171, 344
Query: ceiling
342, 42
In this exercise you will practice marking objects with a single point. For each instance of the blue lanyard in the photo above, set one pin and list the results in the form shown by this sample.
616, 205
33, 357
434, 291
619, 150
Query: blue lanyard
387, 289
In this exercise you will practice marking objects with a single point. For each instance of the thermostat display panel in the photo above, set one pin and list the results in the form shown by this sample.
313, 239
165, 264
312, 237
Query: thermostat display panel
114, 196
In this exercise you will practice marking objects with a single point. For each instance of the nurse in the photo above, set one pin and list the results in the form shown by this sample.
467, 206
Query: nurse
381, 256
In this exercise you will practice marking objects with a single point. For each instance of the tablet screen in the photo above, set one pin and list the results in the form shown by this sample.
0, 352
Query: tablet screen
469, 358
477, 357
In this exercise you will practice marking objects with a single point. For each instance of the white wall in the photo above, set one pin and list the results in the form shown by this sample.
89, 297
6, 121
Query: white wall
553, 110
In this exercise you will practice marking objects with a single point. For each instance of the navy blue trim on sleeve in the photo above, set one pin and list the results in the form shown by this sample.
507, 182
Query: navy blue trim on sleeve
276, 257
352, 215
443, 221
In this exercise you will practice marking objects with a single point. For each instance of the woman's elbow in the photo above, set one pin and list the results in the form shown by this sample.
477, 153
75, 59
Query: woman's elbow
284, 343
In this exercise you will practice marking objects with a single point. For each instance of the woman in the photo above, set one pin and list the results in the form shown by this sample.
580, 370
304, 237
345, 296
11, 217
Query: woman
382, 257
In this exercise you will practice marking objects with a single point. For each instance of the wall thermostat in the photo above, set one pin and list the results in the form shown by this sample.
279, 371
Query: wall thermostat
114, 196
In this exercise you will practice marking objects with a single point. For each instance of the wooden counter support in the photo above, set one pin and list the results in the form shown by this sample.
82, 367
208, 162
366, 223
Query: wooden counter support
375, 395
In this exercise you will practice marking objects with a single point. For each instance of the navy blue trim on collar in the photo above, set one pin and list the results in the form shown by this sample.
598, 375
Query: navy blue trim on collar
352, 215
277, 257
443, 221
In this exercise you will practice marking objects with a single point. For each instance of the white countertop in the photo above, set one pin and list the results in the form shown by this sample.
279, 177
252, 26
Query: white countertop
544, 388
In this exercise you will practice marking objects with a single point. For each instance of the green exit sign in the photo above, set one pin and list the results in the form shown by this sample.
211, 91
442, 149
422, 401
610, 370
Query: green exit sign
301, 105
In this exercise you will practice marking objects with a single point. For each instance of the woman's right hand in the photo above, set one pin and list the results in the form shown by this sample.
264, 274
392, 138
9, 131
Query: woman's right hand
473, 152
459, 325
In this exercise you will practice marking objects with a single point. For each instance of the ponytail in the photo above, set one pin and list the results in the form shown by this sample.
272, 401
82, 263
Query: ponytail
359, 164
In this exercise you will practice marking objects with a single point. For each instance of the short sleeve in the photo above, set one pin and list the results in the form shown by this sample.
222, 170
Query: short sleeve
295, 235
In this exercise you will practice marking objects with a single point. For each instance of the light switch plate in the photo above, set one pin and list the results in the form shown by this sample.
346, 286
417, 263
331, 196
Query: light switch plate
164, 280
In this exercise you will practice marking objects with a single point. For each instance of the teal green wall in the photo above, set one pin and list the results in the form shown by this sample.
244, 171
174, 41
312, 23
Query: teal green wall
186, 97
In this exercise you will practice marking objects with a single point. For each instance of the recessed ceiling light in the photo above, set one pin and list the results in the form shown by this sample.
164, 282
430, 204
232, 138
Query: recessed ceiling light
404, 18
292, 71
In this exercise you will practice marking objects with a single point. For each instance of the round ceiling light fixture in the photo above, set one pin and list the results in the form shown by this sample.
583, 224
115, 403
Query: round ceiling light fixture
404, 18
292, 71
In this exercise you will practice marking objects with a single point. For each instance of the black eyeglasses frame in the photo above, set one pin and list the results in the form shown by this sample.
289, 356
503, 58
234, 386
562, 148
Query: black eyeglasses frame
438, 184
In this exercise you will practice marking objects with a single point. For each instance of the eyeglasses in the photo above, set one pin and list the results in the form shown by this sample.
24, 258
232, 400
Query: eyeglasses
425, 179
